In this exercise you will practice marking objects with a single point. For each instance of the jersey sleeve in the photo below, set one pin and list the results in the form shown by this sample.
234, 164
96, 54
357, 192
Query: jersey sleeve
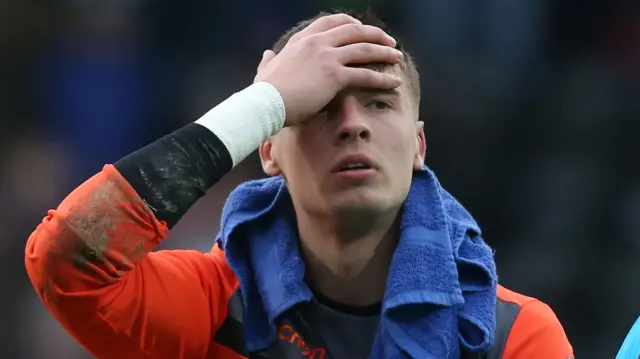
90, 263
537, 334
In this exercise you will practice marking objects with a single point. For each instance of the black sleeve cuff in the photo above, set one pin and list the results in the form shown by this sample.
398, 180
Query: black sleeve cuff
171, 174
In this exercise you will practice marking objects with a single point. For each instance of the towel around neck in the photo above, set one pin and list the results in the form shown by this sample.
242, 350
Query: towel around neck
441, 289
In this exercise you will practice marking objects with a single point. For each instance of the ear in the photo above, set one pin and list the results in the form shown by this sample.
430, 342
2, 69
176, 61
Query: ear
269, 163
421, 147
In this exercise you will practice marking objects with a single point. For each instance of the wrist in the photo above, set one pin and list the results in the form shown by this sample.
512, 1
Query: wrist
245, 119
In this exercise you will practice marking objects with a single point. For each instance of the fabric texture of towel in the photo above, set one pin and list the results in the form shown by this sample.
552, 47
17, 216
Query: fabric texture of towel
441, 290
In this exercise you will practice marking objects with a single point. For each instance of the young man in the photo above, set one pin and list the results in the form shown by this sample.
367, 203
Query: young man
351, 249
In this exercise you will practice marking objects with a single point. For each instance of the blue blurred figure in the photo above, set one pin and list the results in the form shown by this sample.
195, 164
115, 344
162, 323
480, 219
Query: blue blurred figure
630, 348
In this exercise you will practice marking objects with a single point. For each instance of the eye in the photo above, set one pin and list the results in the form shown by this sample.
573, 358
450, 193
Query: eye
379, 105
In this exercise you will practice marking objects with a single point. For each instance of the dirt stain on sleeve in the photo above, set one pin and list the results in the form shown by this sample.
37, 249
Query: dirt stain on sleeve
101, 221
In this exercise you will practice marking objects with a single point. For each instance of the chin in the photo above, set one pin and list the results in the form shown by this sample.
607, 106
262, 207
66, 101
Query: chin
362, 206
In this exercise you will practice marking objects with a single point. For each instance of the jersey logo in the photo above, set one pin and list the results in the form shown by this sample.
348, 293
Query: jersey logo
287, 333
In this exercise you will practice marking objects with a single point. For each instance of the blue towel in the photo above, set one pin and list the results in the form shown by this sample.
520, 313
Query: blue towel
441, 290
630, 348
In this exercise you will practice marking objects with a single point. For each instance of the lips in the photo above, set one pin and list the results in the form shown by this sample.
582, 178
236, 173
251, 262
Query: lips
353, 163
356, 166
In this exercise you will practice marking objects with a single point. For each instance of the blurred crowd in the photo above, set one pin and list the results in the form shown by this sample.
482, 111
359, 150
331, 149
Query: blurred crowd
531, 110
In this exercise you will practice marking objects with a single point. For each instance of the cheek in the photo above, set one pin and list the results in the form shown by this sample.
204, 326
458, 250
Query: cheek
313, 145
297, 155
399, 143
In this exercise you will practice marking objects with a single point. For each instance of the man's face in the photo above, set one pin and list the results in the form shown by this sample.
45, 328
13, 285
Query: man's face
357, 155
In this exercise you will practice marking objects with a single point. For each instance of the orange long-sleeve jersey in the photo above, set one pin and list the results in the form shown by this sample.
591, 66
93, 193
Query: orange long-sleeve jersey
91, 263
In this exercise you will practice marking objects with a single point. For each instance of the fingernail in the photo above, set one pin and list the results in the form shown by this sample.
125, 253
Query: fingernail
393, 41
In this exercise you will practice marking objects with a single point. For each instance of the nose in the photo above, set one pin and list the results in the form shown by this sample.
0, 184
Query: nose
352, 124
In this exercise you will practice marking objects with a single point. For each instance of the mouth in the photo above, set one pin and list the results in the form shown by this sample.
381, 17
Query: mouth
353, 164
355, 167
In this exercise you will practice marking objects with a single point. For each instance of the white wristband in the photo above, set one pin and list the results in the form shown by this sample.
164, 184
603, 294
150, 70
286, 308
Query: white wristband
245, 119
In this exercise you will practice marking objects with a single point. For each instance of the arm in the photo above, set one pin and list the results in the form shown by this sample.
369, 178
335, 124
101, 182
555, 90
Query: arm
537, 333
90, 260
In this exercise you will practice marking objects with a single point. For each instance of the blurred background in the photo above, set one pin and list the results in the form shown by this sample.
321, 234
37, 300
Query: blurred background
532, 112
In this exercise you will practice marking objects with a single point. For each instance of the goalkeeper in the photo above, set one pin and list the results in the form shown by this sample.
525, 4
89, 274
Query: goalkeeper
351, 249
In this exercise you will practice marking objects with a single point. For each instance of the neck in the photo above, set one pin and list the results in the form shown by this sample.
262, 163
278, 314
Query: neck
349, 263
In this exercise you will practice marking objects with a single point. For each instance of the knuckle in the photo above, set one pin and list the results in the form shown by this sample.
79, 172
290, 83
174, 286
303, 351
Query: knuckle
355, 29
368, 49
330, 21
361, 51
311, 43
371, 30
336, 19
377, 33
